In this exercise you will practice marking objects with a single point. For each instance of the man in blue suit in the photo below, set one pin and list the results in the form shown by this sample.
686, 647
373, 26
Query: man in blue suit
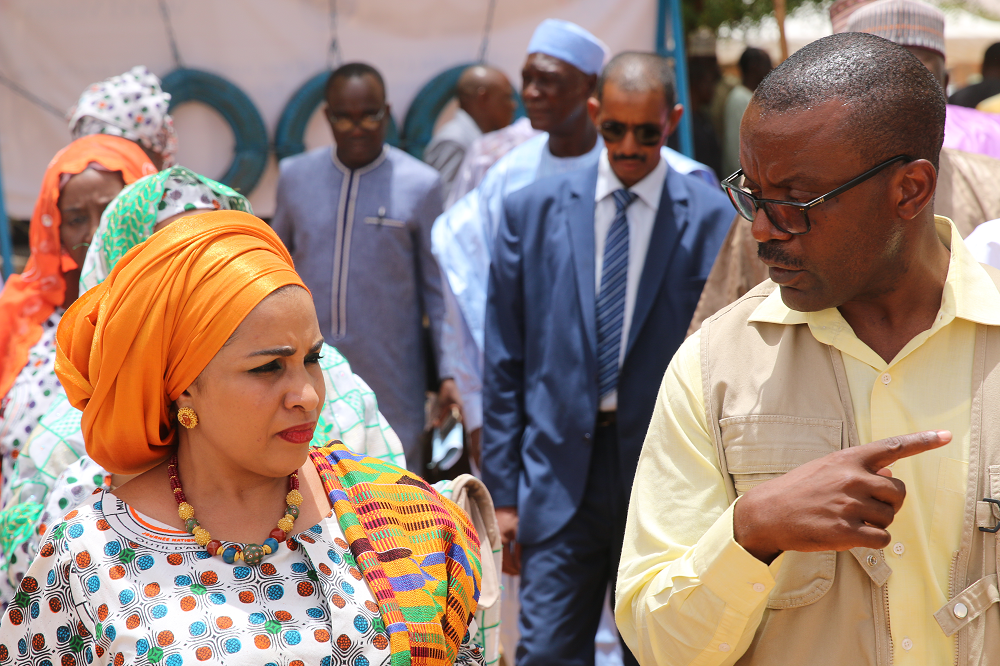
595, 276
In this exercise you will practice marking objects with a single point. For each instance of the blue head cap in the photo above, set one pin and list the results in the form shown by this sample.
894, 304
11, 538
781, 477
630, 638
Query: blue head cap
570, 43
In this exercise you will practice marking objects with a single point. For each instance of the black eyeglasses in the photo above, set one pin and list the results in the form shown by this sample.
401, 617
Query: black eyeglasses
648, 134
791, 217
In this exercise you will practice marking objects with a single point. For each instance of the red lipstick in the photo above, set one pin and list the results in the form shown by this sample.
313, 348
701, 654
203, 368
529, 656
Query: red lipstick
299, 434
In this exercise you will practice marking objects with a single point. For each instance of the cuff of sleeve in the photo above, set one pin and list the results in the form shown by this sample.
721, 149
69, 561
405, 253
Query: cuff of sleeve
731, 572
472, 409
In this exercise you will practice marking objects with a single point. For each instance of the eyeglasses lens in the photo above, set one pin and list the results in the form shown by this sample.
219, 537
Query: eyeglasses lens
645, 135
648, 135
742, 202
613, 132
787, 218
369, 122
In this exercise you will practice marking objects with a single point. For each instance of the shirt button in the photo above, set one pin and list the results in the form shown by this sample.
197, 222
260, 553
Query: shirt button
758, 587
907, 644
961, 610
898, 548
886, 378
872, 560
723, 647
586, 436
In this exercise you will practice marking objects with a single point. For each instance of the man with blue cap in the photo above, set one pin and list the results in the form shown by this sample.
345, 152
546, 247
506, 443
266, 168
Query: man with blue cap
559, 76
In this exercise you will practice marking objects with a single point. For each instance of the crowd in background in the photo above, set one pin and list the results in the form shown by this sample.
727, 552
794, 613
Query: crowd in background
526, 285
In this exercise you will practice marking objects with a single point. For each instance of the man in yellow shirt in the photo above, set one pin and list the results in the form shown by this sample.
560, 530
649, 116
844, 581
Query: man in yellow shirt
884, 329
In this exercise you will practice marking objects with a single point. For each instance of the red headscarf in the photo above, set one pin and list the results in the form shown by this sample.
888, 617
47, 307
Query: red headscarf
30, 298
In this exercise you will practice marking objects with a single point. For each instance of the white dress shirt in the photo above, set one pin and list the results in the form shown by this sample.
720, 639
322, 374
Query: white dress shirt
641, 216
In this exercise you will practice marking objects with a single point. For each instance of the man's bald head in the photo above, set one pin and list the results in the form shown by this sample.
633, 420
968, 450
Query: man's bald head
486, 94
633, 71
893, 104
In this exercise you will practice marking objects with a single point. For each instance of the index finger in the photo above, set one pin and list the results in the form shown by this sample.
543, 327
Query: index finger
884, 452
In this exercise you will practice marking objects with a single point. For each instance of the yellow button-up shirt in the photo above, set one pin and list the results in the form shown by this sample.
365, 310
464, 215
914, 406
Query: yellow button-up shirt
683, 595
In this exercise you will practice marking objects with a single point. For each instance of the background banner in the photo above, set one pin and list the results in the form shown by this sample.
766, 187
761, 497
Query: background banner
268, 49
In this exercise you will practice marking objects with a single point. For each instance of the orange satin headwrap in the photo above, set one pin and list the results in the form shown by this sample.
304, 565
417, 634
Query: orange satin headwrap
129, 347
30, 298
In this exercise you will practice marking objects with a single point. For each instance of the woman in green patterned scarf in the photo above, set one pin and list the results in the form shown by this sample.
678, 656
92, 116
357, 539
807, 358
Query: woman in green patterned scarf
53, 473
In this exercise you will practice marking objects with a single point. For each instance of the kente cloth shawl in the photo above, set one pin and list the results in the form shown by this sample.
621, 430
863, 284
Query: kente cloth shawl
128, 348
131, 217
30, 298
132, 105
418, 552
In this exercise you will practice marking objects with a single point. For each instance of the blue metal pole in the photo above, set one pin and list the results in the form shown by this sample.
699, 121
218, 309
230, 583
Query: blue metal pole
6, 246
670, 10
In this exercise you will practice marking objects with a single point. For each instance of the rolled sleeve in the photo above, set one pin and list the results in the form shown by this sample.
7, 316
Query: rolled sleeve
687, 592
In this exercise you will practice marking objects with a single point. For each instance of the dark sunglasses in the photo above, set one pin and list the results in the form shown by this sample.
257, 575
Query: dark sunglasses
648, 134
791, 217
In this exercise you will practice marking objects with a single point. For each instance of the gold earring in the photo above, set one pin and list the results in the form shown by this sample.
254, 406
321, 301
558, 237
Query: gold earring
187, 417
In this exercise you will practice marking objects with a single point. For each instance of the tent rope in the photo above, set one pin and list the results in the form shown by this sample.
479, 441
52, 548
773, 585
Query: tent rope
31, 97
169, 28
491, 9
333, 57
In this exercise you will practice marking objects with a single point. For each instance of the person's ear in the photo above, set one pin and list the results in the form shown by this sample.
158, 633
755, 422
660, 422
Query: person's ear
914, 186
594, 110
674, 119
591, 81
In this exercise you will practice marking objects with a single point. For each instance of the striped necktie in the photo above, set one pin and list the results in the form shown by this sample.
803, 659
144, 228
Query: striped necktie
611, 301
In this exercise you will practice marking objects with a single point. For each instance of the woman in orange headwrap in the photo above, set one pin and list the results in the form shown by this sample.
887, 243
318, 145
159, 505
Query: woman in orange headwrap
78, 184
196, 365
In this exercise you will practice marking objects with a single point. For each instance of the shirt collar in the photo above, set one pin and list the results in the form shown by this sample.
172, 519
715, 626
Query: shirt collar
374, 164
649, 188
969, 293
462, 117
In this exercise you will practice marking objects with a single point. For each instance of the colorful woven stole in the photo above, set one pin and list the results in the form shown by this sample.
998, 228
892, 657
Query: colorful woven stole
418, 552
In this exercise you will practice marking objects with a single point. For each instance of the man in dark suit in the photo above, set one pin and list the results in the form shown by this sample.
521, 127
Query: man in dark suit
593, 279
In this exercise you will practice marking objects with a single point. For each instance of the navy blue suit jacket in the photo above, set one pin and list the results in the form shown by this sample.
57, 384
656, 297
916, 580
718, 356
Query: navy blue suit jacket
540, 399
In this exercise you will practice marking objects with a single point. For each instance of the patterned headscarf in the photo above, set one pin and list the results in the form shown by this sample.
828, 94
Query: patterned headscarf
128, 348
130, 219
905, 22
131, 105
30, 298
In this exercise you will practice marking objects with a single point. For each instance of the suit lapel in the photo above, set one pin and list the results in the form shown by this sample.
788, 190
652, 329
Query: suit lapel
580, 221
671, 220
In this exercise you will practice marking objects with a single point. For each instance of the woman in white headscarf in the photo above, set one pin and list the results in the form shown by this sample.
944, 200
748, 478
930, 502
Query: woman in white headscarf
132, 105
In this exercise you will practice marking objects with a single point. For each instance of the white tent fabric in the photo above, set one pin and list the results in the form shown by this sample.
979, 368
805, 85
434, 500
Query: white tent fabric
268, 48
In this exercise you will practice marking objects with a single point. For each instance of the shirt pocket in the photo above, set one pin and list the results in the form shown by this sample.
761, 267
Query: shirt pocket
385, 222
761, 447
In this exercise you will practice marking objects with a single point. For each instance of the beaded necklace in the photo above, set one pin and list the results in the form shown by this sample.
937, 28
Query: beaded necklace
251, 553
